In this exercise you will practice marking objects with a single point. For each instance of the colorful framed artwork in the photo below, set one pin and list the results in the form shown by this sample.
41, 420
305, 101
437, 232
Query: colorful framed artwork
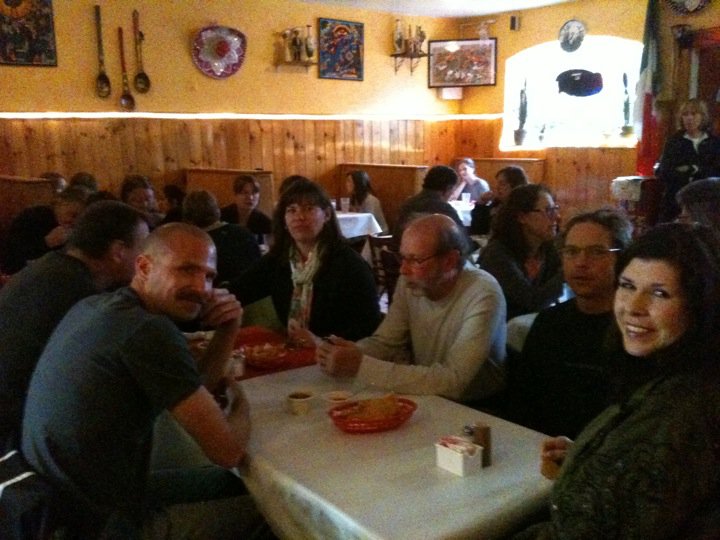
27, 33
340, 46
462, 62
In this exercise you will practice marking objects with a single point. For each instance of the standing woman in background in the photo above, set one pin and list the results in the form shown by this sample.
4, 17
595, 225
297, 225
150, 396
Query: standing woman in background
244, 210
469, 181
362, 198
521, 253
690, 154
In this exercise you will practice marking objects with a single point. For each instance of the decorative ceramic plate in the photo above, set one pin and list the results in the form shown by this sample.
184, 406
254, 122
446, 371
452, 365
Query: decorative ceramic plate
688, 6
219, 51
571, 35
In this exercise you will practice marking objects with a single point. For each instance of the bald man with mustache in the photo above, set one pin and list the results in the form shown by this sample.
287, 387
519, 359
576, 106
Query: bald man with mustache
113, 364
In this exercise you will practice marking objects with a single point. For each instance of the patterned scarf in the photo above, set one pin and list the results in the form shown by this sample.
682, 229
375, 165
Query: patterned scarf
302, 274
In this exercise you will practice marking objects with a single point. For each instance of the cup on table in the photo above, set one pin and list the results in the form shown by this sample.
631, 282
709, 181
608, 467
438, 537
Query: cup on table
299, 402
334, 204
344, 204
465, 197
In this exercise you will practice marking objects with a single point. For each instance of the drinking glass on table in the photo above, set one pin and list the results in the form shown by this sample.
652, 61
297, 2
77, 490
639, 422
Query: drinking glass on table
344, 204
465, 197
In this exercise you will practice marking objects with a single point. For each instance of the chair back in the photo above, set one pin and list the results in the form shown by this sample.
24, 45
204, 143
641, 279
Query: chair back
385, 264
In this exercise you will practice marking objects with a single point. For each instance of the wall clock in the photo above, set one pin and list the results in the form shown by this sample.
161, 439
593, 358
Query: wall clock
688, 6
571, 35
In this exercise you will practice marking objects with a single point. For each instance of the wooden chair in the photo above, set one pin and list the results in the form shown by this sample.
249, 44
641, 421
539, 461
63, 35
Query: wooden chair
385, 265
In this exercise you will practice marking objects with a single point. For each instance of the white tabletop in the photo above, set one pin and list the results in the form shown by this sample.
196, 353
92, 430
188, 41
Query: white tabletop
464, 210
311, 480
354, 224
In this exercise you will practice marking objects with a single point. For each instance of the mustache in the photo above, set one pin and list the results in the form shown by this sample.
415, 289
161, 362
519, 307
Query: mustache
192, 296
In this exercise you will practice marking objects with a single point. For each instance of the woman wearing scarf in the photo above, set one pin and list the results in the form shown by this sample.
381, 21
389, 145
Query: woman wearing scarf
318, 284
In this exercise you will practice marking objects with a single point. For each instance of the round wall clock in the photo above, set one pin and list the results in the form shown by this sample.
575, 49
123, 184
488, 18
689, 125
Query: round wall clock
688, 6
571, 35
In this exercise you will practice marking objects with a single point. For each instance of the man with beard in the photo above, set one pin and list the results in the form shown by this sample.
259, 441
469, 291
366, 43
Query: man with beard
444, 332
561, 379
112, 365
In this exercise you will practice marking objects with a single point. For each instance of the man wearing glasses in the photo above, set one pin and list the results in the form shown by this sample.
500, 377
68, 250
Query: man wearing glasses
445, 330
561, 381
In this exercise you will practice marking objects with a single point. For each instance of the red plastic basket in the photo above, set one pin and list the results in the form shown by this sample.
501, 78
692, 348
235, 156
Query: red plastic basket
339, 416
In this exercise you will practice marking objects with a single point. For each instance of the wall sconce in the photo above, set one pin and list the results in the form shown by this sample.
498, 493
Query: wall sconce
683, 34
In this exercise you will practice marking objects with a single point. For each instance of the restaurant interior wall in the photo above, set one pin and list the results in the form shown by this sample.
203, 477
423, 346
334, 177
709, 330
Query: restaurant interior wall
113, 147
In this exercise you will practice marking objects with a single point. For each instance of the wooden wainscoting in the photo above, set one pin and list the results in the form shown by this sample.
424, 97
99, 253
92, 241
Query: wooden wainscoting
162, 149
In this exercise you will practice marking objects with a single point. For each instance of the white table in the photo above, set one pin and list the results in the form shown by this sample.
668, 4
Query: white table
354, 224
464, 210
311, 480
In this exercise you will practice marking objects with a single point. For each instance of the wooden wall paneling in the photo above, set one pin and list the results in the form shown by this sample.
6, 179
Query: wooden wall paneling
52, 149
399, 146
266, 146
309, 169
366, 141
239, 145
127, 146
326, 176
149, 150
7, 162
220, 144
32, 140
18, 153
19, 193
172, 146
279, 137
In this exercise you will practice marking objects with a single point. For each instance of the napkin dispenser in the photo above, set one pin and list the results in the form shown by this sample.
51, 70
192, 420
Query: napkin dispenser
458, 455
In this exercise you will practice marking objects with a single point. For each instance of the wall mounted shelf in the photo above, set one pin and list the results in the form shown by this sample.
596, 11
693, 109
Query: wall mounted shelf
414, 58
303, 63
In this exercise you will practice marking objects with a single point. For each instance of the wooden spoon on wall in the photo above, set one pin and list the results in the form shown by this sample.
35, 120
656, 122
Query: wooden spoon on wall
127, 101
102, 82
141, 81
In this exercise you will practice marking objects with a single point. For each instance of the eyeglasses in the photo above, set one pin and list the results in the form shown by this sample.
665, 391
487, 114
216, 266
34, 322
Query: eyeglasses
591, 252
414, 261
550, 211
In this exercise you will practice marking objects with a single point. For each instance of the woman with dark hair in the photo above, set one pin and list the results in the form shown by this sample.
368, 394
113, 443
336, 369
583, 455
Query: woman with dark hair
244, 210
488, 205
172, 203
690, 154
521, 254
362, 197
648, 467
319, 285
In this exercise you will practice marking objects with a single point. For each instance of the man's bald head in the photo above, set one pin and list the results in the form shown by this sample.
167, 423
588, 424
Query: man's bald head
441, 234
167, 237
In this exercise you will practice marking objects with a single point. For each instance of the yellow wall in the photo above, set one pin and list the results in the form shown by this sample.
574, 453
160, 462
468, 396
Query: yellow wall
177, 86
259, 87
623, 18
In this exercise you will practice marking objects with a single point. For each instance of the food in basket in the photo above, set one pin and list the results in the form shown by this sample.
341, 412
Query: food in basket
373, 409
267, 355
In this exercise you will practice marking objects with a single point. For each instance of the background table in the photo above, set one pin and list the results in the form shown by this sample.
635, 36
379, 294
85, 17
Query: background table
464, 210
354, 224
314, 481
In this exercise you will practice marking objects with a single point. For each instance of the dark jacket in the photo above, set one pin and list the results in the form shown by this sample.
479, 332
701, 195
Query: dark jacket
345, 301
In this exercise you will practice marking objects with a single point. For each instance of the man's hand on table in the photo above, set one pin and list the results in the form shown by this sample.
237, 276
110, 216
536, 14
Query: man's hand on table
339, 357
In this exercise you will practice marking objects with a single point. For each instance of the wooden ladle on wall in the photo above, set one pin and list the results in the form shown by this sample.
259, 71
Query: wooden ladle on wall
127, 101
141, 81
102, 82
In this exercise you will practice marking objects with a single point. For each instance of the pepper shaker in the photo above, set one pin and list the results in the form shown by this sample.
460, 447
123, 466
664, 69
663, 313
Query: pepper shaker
481, 436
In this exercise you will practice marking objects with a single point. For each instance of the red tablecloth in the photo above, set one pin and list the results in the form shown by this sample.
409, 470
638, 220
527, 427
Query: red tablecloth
257, 335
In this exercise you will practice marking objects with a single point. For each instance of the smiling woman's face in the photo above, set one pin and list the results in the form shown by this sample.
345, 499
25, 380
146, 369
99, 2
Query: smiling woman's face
650, 306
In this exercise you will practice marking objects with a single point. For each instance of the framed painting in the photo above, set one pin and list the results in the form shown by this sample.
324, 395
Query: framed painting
340, 46
462, 62
27, 33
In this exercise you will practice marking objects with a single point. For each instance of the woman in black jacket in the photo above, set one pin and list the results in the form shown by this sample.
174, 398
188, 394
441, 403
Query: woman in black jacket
319, 285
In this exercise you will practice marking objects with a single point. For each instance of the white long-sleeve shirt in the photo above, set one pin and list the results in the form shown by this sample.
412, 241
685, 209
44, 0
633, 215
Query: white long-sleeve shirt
454, 347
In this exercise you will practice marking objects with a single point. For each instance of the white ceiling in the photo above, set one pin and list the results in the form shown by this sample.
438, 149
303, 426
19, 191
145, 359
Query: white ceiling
442, 8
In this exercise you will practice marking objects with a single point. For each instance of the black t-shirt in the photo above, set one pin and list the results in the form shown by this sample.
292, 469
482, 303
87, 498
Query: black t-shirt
108, 370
